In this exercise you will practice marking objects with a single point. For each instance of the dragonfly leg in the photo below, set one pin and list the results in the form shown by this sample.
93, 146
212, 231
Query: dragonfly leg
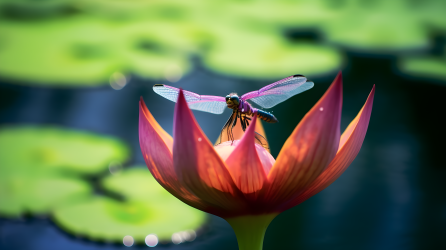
261, 140
235, 121
243, 122
226, 126
230, 135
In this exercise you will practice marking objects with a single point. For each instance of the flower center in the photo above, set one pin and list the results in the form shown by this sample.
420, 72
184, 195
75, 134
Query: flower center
225, 149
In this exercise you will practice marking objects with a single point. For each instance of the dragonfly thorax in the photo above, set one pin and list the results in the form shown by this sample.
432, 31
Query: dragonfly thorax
232, 101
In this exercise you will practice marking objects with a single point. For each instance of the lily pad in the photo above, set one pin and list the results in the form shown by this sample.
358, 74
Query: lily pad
431, 13
151, 9
389, 27
151, 47
86, 51
50, 149
261, 55
282, 13
424, 67
22, 193
135, 184
71, 52
147, 209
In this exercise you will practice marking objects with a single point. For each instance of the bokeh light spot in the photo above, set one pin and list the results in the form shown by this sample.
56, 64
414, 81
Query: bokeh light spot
128, 241
173, 73
151, 240
192, 235
118, 81
115, 167
188, 235
176, 238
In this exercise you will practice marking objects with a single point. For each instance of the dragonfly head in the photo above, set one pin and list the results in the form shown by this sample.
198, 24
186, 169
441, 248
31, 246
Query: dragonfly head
232, 100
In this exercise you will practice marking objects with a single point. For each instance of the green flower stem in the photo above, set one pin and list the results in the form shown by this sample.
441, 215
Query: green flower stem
250, 230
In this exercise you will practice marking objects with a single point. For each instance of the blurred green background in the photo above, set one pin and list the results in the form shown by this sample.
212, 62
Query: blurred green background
72, 72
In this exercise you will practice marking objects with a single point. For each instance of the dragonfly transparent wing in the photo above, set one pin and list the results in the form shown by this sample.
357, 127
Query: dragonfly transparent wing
207, 103
275, 93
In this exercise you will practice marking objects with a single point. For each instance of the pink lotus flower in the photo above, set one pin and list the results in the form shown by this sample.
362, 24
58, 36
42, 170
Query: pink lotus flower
241, 182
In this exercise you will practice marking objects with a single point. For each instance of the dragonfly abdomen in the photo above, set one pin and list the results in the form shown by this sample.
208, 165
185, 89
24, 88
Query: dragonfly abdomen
266, 116
245, 108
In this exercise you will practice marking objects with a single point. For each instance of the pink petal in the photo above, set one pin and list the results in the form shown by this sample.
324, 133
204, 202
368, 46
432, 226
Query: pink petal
156, 146
198, 166
310, 148
168, 140
351, 142
245, 166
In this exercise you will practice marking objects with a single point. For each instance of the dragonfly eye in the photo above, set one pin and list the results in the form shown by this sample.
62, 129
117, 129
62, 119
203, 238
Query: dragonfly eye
235, 99
227, 97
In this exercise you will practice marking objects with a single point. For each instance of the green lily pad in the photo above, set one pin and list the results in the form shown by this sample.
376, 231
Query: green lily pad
135, 184
282, 13
150, 47
28, 149
128, 10
34, 10
86, 51
378, 35
262, 55
147, 209
388, 27
40, 194
431, 14
58, 53
425, 67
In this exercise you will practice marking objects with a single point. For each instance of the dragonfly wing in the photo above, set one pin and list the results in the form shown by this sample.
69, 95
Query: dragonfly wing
275, 93
171, 93
275, 96
207, 103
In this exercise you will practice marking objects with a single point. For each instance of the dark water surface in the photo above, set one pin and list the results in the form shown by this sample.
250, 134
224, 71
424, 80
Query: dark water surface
393, 196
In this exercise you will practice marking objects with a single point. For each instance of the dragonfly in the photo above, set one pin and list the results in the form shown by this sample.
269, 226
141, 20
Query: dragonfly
242, 110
